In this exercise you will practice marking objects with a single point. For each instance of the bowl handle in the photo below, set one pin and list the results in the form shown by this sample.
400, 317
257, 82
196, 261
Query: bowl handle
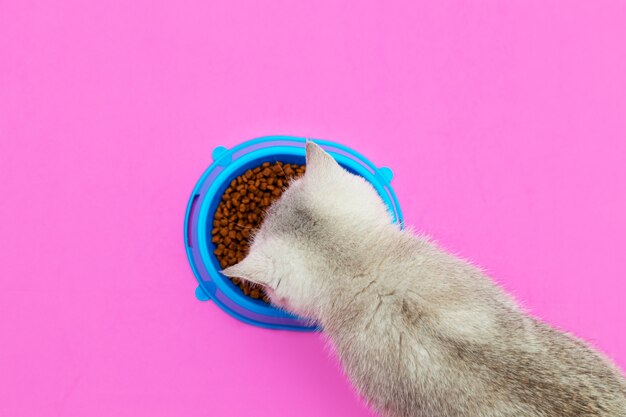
386, 173
201, 294
218, 152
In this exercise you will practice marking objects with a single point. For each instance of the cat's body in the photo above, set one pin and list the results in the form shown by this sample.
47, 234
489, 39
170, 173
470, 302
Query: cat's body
419, 332
431, 336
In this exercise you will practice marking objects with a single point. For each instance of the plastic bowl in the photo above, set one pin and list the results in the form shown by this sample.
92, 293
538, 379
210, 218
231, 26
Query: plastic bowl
228, 164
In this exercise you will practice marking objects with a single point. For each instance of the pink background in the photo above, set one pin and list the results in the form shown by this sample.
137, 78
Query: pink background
505, 124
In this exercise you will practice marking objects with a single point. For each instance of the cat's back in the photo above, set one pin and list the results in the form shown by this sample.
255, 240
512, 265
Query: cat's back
460, 347
407, 371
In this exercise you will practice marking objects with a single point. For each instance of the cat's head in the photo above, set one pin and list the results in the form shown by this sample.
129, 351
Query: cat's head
310, 233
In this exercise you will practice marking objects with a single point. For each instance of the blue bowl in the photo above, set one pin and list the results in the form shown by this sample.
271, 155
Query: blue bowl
228, 164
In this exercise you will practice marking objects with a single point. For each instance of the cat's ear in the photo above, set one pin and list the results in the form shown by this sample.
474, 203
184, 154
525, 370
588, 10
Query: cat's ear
319, 162
250, 268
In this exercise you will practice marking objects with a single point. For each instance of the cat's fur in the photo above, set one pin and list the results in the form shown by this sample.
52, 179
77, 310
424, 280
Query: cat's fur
419, 332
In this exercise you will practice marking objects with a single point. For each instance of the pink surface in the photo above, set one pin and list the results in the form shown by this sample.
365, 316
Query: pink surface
503, 121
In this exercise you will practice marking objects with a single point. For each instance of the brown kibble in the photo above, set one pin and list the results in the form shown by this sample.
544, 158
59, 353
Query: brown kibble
241, 211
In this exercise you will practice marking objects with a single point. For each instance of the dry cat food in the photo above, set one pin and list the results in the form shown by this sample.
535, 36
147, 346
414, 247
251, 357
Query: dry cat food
241, 211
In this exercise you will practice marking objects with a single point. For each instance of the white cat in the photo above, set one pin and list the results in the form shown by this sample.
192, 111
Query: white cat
419, 332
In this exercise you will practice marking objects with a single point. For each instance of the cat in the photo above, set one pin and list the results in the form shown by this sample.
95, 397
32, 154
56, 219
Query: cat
419, 332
